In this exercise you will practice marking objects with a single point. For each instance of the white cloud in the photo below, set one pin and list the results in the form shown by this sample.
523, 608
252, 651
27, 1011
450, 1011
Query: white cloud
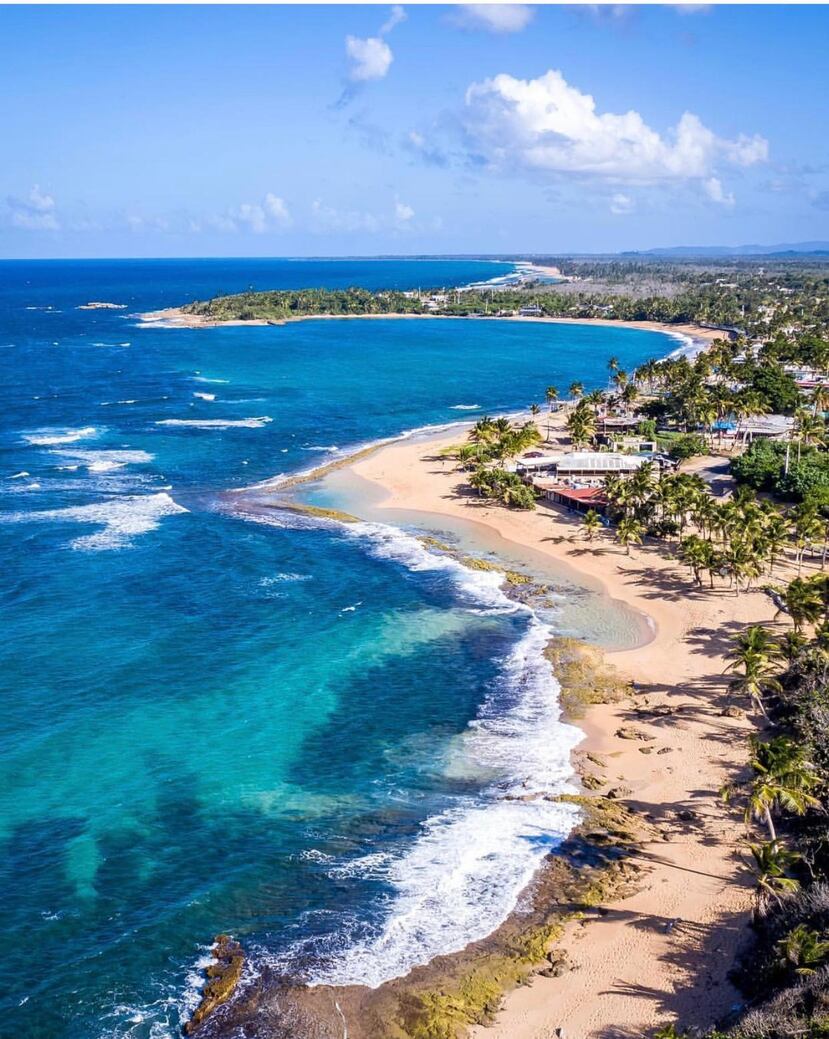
714, 190
370, 58
277, 210
328, 218
502, 18
621, 204
35, 212
403, 213
544, 126
271, 214
397, 16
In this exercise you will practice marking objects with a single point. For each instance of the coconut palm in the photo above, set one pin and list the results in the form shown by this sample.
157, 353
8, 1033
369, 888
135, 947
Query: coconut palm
591, 524
803, 600
783, 779
804, 949
576, 390
629, 532
772, 862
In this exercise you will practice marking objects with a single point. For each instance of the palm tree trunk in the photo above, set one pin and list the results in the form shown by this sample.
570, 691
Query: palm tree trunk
770, 823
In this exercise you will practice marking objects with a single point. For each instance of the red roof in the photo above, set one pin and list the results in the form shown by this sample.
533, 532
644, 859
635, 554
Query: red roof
578, 493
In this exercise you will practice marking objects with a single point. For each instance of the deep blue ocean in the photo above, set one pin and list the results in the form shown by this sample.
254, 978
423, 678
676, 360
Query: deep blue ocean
214, 720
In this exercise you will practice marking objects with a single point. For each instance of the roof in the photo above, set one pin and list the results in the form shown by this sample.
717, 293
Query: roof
599, 461
766, 424
591, 494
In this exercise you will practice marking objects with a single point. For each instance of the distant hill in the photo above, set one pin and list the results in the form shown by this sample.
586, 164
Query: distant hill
797, 249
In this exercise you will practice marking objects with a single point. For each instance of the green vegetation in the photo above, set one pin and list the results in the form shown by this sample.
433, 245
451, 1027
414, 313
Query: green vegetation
760, 298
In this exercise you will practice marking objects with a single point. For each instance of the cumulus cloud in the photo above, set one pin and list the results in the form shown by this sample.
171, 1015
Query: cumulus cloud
499, 18
271, 214
370, 58
403, 214
621, 204
714, 190
546, 127
35, 212
327, 218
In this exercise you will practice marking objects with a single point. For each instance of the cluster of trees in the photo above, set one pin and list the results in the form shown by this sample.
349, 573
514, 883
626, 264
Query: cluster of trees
739, 540
490, 443
800, 474
760, 298
784, 797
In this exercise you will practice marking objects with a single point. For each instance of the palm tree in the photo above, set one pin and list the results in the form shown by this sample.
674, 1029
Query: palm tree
755, 651
698, 554
783, 779
803, 600
772, 861
591, 523
534, 410
629, 532
804, 948
576, 390
551, 396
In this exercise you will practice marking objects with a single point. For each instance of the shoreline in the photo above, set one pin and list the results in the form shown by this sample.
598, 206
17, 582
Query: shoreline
175, 317
694, 879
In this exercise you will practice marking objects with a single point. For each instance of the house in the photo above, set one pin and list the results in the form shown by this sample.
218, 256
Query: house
577, 499
531, 310
764, 427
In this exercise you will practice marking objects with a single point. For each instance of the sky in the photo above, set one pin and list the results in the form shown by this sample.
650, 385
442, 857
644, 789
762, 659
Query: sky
364, 130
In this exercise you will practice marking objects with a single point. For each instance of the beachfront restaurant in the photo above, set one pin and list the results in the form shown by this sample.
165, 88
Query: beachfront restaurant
582, 468
577, 499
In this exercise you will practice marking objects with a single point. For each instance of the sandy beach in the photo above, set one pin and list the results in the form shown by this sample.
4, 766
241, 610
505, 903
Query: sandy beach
664, 953
175, 317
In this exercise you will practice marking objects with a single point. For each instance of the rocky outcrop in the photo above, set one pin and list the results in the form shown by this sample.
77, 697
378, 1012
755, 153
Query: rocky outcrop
222, 978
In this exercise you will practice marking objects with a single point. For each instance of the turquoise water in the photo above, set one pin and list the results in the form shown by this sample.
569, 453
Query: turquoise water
218, 718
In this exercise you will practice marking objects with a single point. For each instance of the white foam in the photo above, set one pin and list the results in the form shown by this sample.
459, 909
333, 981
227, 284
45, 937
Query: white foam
48, 437
205, 396
105, 461
217, 423
18, 476
465, 871
465, 407
321, 447
122, 519
204, 378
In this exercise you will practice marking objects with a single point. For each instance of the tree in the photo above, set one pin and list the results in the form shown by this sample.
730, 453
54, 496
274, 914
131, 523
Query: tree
772, 862
755, 652
591, 523
576, 390
804, 949
629, 532
803, 600
783, 779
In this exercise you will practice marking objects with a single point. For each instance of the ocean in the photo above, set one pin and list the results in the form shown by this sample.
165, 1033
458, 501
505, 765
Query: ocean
217, 719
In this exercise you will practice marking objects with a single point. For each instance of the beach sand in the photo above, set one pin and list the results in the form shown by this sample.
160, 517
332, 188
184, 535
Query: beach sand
664, 953
175, 317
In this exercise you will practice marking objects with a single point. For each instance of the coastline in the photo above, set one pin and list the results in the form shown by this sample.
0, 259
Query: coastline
175, 317
671, 777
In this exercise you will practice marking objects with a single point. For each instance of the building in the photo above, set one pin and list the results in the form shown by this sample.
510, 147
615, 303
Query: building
764, 427
577, 499
531, 310
583, 468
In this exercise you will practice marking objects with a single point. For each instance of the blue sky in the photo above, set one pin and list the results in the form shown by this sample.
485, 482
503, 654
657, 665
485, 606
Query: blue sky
269, 130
